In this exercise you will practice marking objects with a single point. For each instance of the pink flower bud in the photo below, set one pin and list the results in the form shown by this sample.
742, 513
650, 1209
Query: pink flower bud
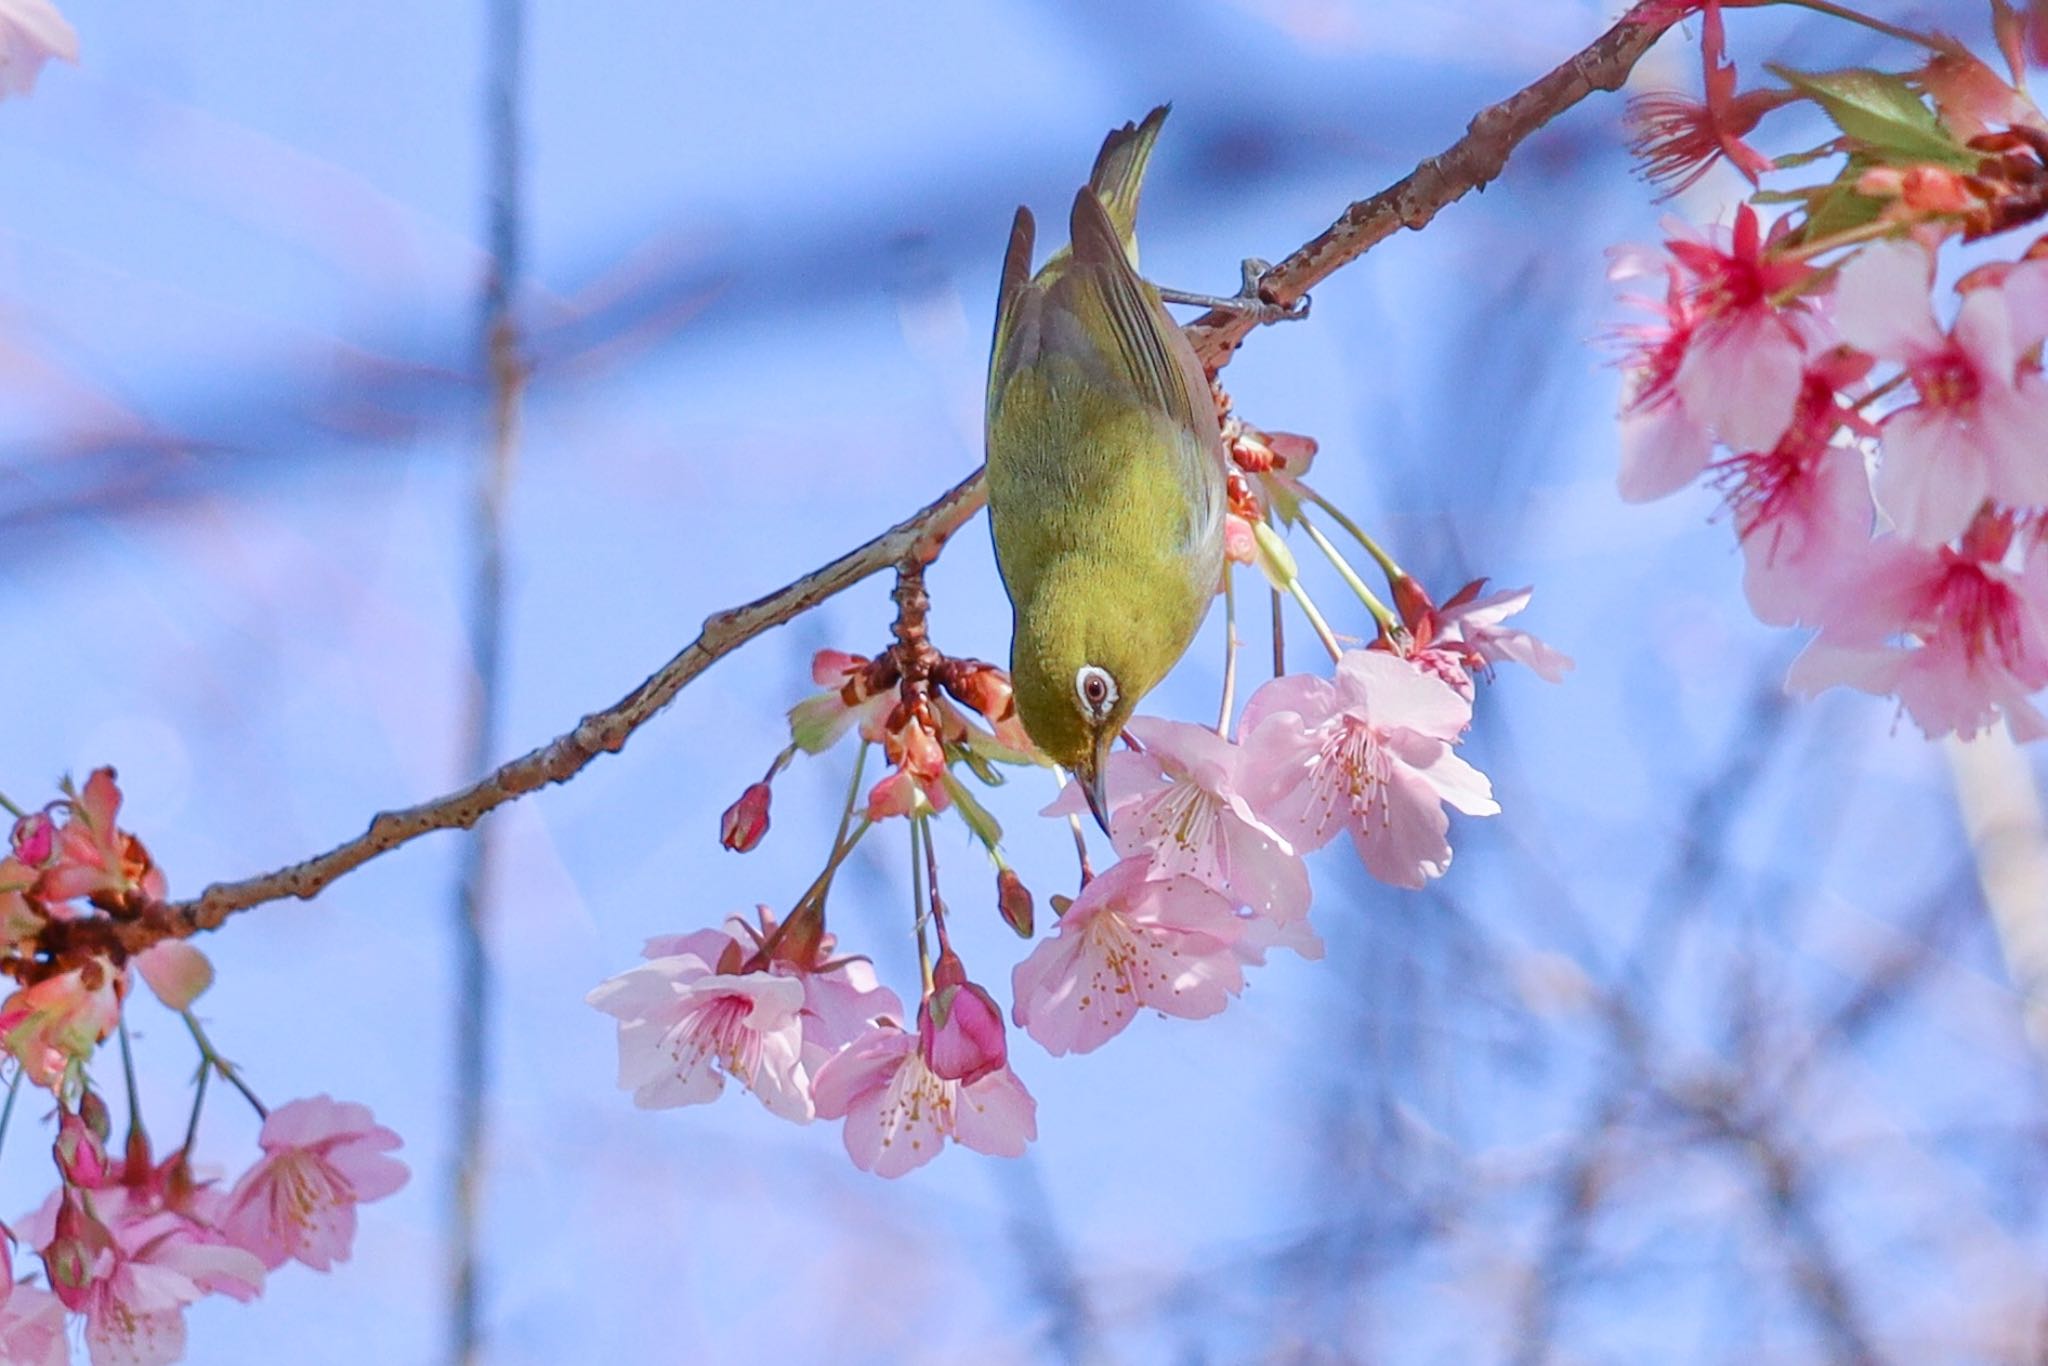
35, 839
746, 820
1013, 900
983, 687
68, 1260
959, 1027
80, 1156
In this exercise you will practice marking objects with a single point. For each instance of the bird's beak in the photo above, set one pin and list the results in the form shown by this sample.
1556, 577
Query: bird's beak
1094, 787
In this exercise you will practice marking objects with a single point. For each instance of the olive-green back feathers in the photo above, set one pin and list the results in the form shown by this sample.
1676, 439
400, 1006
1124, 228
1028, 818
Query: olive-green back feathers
1104, 461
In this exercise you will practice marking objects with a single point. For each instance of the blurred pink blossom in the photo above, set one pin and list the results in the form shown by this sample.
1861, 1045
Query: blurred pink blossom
31, 33
60, 1020
1802, 509
1980, 426
321, 1158
1961, 640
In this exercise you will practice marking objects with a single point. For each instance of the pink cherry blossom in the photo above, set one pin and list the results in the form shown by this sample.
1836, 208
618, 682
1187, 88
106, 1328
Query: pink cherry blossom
1471, 626
1664, 446
842, 996
134, 1303
1959, 639
32, 1329
1678, 139
31, 33
1180, 802
1368, 750
58, 1022
94, 857
1726, 363
959, 1025
817, 722
1979, 427
321, 1158
899, 1113
1130, 942
685, 1027
1802, 509
1742, 365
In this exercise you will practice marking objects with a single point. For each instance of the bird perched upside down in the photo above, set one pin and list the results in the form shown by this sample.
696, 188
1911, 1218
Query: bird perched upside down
1105, 472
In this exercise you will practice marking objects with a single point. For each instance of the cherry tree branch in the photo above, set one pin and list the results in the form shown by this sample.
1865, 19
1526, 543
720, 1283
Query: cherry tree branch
1467, 164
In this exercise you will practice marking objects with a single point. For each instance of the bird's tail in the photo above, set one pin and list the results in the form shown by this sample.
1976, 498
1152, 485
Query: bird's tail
1120, 173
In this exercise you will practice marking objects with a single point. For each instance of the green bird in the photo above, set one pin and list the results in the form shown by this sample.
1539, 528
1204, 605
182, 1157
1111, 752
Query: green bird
1105, 472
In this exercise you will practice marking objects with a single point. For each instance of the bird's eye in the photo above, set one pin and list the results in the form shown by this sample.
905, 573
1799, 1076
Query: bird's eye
1096, 689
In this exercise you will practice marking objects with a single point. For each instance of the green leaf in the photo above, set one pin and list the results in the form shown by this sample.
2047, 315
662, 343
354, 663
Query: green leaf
1882, 113
1839, 209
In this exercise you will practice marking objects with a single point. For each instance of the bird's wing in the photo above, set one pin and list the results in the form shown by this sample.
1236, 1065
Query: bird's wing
1121, 317
1140, 345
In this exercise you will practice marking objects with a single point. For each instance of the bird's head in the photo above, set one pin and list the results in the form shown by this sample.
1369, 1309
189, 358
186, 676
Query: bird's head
1080, 669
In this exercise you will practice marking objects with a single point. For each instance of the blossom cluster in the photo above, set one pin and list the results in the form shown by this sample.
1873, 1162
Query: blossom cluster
1211, 827
1881, 442
125, 1242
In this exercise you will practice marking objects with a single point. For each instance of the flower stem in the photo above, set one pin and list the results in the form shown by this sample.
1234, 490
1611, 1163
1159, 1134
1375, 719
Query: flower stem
780, 762
11, 808
1357, 533
1848, 237
1059, 775
1229, 654
1379, 611
1878, 25
918, 834
1315, 618
198, 1104
1881, 390
213, 1059
860, 764
128, 1074
1279, 637
7, 1110
931, 885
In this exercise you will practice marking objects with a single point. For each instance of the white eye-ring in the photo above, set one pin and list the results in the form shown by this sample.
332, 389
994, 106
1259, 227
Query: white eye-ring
1096, 689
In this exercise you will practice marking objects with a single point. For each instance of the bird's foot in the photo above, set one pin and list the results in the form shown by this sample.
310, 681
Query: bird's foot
1248, 300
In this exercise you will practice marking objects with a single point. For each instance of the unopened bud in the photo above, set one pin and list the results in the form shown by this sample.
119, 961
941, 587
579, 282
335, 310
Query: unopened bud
81, 1158
983, 687
68, 1260
959, 1026
1013, 902
746, 820
1276, 561
35, 838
